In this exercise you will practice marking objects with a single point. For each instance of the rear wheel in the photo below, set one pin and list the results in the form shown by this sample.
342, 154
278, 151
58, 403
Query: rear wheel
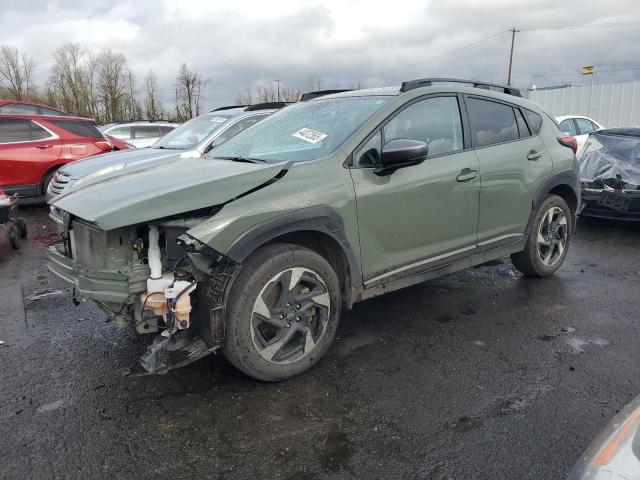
282, 312
549, 240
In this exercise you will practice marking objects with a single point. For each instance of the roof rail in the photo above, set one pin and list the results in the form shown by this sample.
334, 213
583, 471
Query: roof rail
266, 105
320, 93
139, 120
427, 82
228, 107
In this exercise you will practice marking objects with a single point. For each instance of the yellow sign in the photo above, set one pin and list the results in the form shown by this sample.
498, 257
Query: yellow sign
587, 70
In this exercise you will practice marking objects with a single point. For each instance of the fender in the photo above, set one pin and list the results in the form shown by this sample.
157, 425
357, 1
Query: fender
320, 218
568, 178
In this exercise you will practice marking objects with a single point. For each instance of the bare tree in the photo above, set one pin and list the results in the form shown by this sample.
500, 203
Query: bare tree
189, 85
152, 106
267, 93
70, 85
16, 69
114, 86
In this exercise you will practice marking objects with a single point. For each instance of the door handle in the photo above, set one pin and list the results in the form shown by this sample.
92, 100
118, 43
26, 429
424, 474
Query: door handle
533, 155
466, 175
42, 147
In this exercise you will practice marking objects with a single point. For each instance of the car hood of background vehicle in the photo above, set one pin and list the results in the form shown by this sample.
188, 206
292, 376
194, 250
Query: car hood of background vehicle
130, 196
116, 160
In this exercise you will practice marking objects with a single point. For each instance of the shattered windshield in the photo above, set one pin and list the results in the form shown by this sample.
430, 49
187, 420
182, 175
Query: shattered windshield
191, 133
304, 131
611, 157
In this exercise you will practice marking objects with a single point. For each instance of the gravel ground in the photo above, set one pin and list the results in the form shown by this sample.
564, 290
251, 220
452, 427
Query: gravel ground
481, 374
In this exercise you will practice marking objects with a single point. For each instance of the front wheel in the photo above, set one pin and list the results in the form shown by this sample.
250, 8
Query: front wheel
282, 312
550, 237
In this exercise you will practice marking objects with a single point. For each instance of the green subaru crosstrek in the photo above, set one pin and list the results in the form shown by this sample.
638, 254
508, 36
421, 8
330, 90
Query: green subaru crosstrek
257, 248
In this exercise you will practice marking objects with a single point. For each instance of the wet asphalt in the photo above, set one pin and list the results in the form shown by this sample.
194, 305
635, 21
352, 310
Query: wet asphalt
481, 375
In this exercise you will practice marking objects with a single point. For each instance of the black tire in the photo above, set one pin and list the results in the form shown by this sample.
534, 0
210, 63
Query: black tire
13, 236
530, 261
22, 228
257, 278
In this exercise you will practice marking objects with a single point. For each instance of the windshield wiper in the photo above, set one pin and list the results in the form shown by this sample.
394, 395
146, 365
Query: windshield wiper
243, 159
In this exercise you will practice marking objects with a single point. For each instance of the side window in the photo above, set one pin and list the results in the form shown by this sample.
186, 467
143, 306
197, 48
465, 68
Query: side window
522, 125
150, 131
37, 132
77, 127
369, 154
50, 112
123, 133
18, 109
433, 120
584, 126
16, 130
568, 127
533, 120
491, 122
165, 130
236, 128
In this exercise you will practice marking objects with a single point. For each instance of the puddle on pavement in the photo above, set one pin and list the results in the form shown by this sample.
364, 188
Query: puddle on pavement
579, 345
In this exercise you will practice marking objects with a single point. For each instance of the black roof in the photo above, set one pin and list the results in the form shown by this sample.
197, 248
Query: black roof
255, 106
427, 82
320, 93
621, 131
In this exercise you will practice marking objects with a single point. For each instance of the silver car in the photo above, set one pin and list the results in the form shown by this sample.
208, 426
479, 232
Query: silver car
192, 139
138, 134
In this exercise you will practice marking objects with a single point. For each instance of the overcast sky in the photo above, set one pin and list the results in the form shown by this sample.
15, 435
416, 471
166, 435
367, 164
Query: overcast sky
238, 44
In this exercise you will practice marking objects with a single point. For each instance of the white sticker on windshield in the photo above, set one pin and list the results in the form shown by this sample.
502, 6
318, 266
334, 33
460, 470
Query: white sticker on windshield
309, 135
218, 119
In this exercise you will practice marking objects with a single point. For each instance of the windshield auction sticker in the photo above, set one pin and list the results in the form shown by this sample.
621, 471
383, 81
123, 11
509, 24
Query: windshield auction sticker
309, 135
218, 119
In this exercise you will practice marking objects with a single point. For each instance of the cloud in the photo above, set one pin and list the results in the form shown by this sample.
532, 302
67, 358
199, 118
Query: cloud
238, 44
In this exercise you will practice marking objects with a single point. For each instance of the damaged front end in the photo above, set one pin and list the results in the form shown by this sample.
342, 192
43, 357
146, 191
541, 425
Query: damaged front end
610, 172
154, 277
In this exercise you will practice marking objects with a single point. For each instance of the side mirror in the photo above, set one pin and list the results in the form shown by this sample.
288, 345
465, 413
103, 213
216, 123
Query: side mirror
400, 153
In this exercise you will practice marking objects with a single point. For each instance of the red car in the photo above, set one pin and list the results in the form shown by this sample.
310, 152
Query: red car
33, 147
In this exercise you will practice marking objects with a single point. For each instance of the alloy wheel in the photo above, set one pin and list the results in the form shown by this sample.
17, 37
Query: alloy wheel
552, 236
290, 315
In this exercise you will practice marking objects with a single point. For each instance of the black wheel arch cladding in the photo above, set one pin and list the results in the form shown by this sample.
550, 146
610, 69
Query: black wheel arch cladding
320, 218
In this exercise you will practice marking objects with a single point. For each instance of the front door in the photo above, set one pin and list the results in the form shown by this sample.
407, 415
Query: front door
424, 214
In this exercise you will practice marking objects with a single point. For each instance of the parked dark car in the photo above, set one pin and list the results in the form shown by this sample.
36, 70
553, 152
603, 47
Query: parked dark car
610, 173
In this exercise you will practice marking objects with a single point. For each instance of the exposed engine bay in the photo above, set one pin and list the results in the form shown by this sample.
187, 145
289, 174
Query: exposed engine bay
155, 278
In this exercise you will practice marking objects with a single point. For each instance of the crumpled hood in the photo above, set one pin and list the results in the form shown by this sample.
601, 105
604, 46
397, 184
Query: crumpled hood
175, 185
105, 162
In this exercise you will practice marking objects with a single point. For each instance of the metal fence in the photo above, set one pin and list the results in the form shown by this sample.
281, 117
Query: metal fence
612, 105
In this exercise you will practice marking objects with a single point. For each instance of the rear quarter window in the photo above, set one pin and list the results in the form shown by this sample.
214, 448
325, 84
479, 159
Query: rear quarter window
79, 128
533, 120
491, 122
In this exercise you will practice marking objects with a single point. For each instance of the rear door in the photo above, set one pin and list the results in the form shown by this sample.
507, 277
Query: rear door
513, 163
423, 215
27, 151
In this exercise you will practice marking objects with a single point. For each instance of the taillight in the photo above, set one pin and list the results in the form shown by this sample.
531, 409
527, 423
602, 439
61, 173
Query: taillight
2, 192
570, 142
104, 145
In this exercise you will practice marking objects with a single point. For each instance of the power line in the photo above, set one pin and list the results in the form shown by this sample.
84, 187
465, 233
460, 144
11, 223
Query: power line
595, 25
455, 50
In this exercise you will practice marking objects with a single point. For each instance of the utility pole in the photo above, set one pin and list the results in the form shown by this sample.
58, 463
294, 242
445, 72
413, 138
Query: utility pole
277, 80
513, 39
